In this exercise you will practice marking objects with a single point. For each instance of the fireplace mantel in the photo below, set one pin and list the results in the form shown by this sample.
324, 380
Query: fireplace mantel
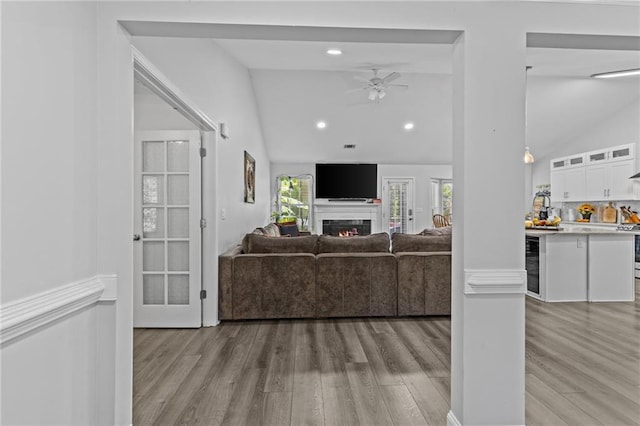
353, 210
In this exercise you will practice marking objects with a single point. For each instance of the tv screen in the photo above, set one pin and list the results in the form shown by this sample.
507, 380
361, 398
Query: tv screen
346, 181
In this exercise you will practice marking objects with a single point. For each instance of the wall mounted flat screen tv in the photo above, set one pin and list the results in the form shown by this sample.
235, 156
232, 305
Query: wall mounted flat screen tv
346, 181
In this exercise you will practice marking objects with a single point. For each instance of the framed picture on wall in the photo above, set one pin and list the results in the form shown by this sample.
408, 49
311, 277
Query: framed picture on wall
249, 178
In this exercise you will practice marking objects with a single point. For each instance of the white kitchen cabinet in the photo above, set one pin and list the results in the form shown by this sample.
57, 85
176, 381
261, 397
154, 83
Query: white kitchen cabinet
611, 268
610, 181
616, 153
564, 268
568, 184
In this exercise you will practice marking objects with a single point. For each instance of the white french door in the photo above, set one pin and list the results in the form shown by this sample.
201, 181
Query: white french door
397, 205
167, 233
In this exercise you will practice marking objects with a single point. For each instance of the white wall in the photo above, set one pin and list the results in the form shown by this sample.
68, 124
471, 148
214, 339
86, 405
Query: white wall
422, 175
152, 113
49, 206
221, 88
621, 128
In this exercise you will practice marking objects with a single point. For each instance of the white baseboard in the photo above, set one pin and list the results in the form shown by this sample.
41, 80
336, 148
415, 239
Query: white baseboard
452, 420
30, 313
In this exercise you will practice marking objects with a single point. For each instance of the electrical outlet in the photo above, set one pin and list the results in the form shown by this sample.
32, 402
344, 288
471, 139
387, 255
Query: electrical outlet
223, 214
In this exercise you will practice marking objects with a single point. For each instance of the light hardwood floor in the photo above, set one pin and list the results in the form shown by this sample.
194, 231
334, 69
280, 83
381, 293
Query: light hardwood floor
582, 368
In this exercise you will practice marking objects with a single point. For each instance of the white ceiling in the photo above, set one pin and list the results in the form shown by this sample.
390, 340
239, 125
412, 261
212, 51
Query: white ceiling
297, 83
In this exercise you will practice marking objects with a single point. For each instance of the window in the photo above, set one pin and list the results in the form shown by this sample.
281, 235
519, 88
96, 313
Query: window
442, 197
294, 199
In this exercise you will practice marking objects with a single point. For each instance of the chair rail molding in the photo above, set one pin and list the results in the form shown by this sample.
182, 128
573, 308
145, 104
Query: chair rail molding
495, 281
22, 316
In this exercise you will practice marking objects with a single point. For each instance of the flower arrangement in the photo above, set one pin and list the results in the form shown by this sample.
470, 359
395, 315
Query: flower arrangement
586, 209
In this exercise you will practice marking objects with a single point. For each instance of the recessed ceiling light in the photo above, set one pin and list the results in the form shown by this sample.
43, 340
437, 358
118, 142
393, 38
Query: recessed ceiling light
334, 52
408, 126
321, 124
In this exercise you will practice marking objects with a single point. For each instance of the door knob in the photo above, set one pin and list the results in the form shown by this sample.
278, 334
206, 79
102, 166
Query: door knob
136, 237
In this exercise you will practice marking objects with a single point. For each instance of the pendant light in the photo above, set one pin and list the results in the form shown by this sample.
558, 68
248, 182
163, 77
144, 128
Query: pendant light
528, 157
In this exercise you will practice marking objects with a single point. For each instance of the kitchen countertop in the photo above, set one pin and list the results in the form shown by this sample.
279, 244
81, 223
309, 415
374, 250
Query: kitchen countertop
578, 230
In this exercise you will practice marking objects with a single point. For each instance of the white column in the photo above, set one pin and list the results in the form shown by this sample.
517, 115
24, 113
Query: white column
489, 280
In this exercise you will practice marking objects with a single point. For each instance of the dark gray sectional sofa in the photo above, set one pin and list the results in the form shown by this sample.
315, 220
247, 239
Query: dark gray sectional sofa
323, 276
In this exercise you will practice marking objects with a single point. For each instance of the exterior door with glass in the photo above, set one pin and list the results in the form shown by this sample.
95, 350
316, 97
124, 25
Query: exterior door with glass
397, 208
167, 232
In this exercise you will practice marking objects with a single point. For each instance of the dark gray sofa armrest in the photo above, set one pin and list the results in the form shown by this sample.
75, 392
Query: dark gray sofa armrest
424, 283
225, 282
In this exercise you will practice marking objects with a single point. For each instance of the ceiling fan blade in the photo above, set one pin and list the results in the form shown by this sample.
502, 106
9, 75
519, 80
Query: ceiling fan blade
399, 86
362, 79
391, 77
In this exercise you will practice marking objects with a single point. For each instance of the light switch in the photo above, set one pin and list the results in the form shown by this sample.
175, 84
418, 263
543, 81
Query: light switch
223, 214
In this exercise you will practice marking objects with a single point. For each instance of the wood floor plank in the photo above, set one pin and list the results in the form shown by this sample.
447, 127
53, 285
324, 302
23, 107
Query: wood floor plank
367, 398
402, 407
384, 376
541, 398
339, 408
418, 346
244, 393
610, 411
307, 405
276, 408
281, 363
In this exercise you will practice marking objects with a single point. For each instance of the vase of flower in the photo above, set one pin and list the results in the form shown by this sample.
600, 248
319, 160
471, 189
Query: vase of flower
585, 210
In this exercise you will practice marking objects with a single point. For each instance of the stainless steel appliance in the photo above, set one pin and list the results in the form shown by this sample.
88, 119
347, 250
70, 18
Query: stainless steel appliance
634, 227
532, 264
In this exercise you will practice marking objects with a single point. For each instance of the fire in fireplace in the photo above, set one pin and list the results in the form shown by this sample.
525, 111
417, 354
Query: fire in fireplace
346, 227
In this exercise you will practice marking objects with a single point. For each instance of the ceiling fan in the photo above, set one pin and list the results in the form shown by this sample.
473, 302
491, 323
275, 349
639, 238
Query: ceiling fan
377, 86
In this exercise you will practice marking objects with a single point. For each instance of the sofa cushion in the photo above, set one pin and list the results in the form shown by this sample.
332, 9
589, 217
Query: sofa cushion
374, 243
420, 243
253, 243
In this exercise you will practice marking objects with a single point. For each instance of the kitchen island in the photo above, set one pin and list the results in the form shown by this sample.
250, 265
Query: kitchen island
580, 263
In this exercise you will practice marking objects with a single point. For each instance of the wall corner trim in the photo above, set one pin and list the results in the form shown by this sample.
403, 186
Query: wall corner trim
452, 420
495, 281
22, 316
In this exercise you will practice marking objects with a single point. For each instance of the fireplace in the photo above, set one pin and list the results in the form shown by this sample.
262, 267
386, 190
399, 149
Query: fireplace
346, 227
364, 217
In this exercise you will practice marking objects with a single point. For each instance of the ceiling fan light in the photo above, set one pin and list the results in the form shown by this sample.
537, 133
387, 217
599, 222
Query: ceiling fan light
382, 94
372, 95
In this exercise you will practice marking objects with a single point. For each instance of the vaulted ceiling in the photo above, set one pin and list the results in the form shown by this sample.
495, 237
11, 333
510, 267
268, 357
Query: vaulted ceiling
297, 84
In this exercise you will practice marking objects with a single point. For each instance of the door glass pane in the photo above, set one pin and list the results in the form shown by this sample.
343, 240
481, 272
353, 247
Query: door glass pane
398, 207
178, 222
152, 189
153, 289
153, 256
152, 156
178, 156
178, 289
178, 255
153, 222
178, 189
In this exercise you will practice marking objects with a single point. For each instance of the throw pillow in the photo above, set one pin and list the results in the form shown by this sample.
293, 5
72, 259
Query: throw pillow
374, 243
271, 230
420, 243
259, 244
